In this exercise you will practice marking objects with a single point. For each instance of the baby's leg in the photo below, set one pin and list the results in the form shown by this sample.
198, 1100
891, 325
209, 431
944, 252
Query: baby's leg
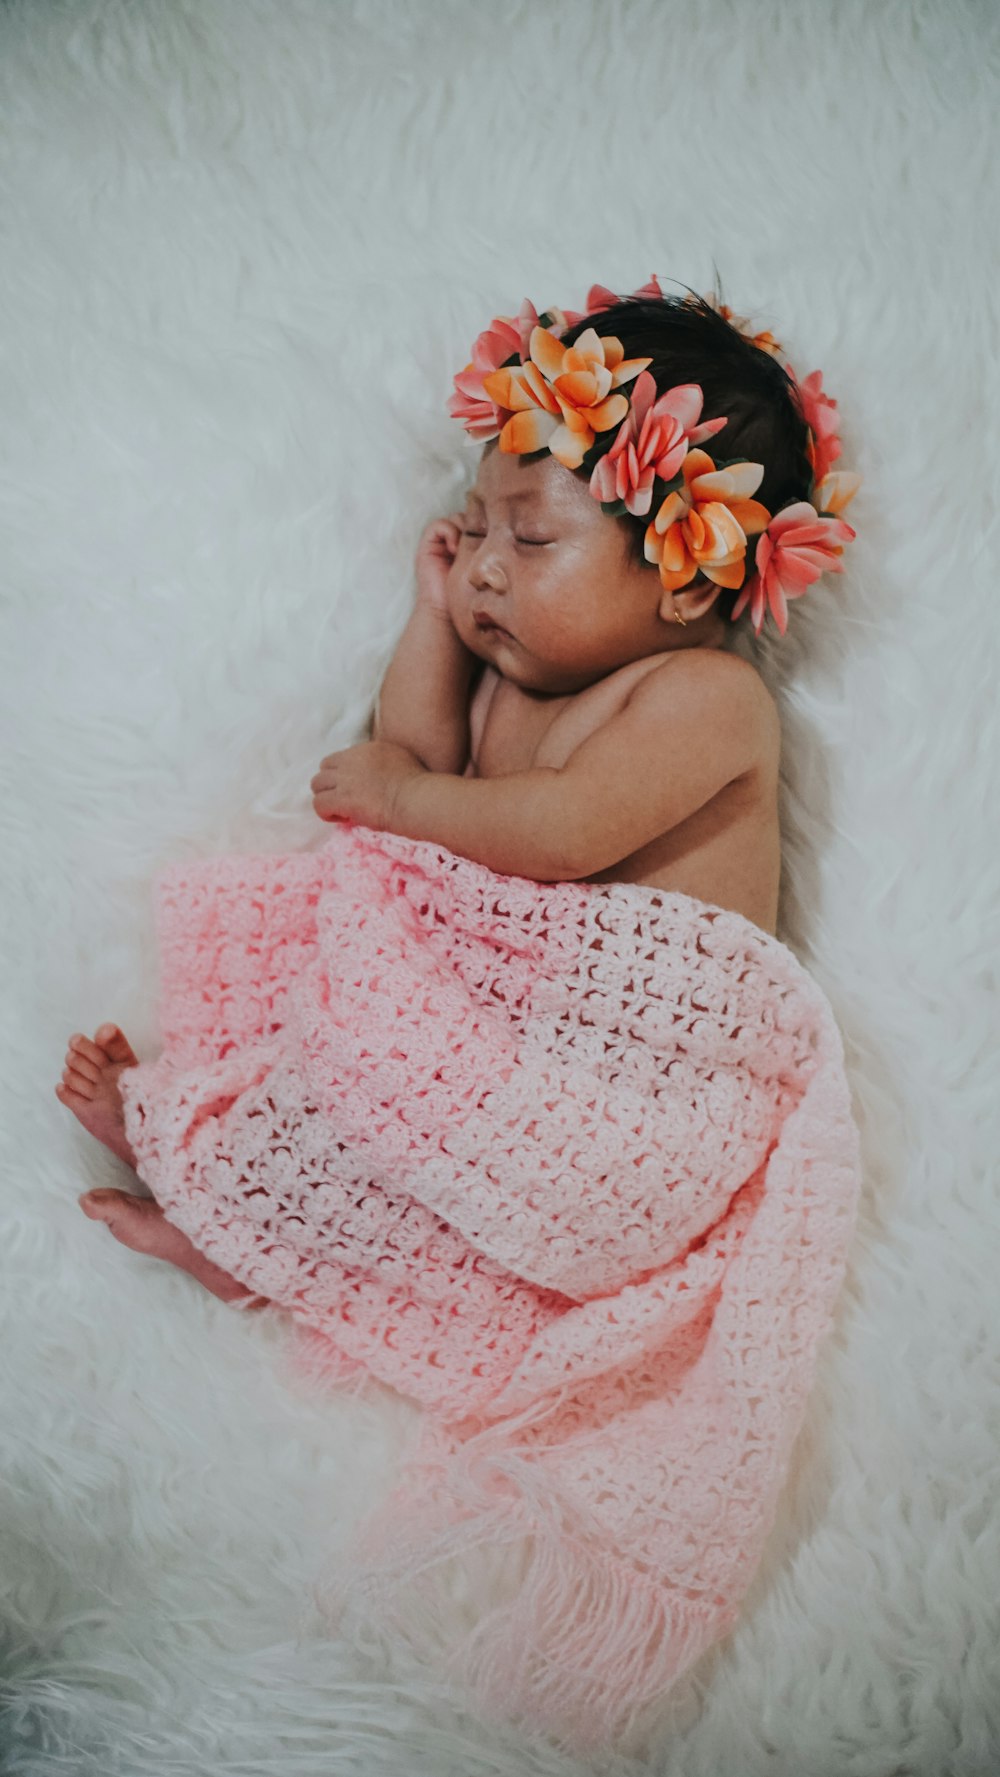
89, 1088
140, 1223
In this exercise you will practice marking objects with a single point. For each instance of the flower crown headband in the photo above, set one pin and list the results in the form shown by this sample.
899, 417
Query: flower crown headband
524, 387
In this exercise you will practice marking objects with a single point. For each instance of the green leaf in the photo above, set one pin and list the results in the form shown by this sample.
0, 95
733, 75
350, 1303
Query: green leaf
672, 486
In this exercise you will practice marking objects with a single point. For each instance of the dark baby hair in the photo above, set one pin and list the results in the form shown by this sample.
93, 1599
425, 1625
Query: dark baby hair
688, 341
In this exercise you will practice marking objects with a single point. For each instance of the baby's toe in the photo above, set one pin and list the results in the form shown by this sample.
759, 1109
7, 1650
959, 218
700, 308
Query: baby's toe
103, 1203
115, 1044
83, 1066
79, 1083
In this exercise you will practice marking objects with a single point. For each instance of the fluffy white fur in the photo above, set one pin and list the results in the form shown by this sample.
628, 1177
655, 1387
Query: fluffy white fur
244, 249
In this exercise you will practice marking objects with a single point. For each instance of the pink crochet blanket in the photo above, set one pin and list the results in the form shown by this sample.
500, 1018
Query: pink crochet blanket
571, 1165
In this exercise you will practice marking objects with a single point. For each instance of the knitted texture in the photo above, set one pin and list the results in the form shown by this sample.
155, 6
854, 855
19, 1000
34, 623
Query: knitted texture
571, 1165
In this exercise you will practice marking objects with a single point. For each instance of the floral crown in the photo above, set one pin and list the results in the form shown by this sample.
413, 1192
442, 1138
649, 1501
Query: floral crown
524, 387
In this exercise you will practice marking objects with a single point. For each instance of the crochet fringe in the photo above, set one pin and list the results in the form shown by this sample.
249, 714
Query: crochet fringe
578, 1653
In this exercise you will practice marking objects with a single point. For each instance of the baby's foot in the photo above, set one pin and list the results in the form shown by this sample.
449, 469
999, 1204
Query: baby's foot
140, 1223
89, 1086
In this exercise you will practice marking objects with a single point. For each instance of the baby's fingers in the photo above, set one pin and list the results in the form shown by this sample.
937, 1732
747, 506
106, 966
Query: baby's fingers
446, 531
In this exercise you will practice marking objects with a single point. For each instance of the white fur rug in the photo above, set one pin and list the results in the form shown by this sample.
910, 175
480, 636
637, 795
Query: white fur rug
244, 249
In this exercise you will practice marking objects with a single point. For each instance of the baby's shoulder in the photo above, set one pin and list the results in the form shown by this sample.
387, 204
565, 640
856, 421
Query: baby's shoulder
699, 689
713, 668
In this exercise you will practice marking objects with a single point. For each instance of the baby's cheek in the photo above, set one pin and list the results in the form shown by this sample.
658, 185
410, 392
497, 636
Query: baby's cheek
456, 587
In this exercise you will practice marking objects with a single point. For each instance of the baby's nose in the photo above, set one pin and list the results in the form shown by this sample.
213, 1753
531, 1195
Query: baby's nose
488, 573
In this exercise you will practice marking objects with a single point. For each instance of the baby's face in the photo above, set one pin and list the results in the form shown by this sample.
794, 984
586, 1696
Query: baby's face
540, 558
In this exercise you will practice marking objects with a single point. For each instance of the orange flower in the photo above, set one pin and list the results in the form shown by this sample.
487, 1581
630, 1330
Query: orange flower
835, 491
562, 396
507, 336
765, 341
704, 526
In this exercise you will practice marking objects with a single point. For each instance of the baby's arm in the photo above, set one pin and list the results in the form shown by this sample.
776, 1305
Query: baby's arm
423, 701
679, 738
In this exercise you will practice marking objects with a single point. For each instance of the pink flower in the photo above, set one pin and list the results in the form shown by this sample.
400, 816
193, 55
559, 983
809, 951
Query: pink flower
497, 342
600, 297
653, 440
821, 417
796, 548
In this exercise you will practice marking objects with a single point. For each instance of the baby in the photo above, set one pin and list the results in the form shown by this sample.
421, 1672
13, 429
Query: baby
563, 704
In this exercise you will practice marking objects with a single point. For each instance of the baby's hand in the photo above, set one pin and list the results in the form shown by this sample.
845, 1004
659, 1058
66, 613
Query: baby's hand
361, 783
436, 551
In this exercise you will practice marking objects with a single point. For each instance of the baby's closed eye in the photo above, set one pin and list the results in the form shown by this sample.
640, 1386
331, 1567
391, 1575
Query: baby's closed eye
529, 542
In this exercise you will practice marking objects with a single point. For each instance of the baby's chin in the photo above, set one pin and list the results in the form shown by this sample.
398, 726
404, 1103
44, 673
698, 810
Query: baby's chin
500, 651
512, 661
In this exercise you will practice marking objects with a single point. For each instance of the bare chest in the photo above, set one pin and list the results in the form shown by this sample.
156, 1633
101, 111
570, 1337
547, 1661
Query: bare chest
727, 853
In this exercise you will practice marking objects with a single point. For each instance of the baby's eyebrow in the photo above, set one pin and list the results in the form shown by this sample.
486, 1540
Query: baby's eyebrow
506, 499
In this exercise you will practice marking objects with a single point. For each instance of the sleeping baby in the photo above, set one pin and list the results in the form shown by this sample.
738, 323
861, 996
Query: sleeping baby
563, 705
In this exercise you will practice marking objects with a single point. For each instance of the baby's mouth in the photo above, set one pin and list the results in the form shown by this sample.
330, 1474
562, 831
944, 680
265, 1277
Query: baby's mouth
487, 627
